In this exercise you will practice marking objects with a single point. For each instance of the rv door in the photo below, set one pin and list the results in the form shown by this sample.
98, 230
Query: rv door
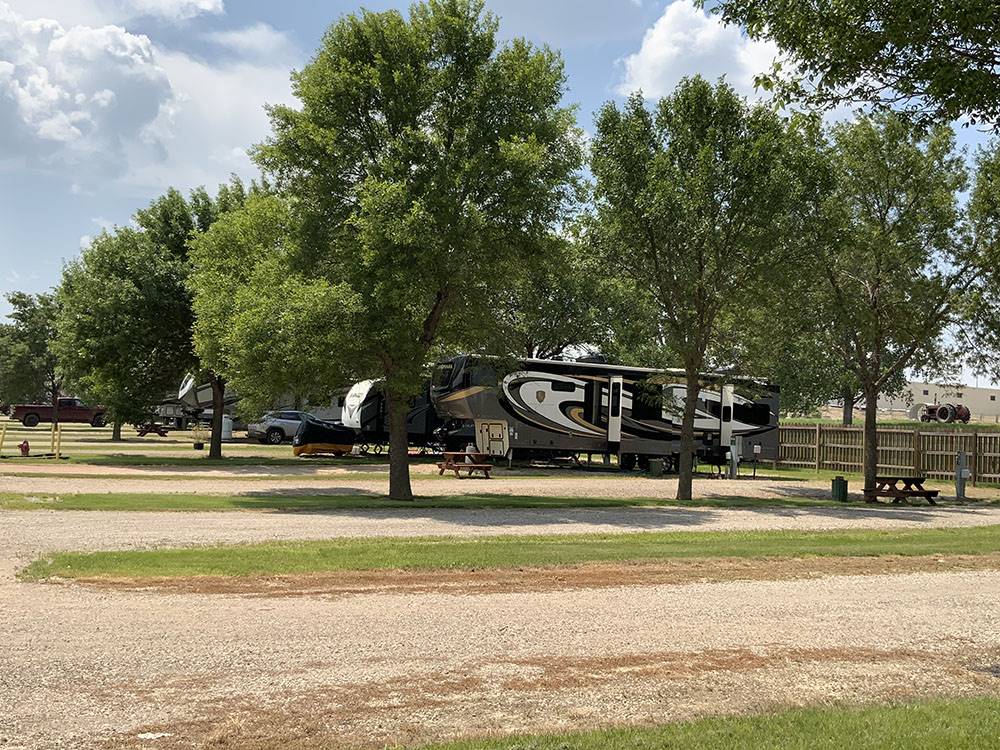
726, 417
614, 413
491, 437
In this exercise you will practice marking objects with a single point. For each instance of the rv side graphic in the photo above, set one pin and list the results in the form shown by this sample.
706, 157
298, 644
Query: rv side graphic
559, 407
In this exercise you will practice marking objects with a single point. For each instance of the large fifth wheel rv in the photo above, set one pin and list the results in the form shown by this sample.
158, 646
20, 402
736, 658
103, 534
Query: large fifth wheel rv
564, 408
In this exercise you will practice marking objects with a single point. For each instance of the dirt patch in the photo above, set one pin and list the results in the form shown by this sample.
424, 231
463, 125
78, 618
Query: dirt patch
643, 689
672, 665
592, 576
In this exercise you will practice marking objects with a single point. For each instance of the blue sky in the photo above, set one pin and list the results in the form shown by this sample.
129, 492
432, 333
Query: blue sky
105, 103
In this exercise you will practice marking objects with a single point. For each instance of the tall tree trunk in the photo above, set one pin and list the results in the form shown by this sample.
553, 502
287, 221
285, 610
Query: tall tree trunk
871, 437
116, 431
218, 404
399, 448
685, 483
848, 416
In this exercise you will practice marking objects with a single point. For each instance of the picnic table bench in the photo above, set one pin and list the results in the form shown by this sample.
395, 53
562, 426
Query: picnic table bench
890, 487
148, 427
456, 461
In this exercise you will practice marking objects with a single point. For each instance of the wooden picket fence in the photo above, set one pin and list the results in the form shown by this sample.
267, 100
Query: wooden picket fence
900, 451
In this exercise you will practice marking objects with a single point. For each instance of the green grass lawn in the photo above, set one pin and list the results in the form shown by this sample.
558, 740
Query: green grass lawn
429, 553
276, 502
970, 724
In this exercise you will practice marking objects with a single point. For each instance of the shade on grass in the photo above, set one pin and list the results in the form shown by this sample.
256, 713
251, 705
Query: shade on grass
270, 500
428, 553
972, 724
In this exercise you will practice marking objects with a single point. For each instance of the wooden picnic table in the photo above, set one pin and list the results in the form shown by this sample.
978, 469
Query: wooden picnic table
148, 427
890, 487
456, 461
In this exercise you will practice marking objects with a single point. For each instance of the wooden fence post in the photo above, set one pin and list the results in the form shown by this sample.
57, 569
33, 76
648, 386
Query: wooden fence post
818, 444
918, 457
975, 458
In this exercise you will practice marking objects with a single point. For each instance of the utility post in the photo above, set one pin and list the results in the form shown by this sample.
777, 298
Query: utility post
734, 458
961, 474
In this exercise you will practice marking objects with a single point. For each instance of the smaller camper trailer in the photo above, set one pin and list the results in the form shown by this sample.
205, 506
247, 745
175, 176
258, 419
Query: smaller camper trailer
366, 411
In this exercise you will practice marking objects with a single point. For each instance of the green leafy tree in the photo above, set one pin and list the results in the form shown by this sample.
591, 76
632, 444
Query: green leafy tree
801, 349
124, 329
170, 220
170, 223
979, 338
692, 207
29, 366
935, 59
558, 302
425, 165
270, 329
897, 269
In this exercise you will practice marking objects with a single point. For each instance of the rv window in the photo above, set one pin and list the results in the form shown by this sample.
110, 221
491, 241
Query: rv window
559, 385
727, 414
711, 406
442, 375
616, 399
753, 413
592, 394
646, 403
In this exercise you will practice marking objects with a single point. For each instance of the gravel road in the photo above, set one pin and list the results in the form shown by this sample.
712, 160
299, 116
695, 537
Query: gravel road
570, 485
372, 478
80, 665
425, 484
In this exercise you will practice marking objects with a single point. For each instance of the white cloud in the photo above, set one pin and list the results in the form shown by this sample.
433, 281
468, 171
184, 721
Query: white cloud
98, 103
686, 41
259, 40
216, 115
171, 10
69, 96
100, 12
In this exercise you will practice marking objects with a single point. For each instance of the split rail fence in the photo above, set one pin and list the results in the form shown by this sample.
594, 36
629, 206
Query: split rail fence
900, 451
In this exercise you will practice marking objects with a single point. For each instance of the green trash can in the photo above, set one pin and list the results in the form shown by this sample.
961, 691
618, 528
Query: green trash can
839, 489
656, 467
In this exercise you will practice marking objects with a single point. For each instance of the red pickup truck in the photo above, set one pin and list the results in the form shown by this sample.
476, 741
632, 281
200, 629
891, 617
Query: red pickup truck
70, 410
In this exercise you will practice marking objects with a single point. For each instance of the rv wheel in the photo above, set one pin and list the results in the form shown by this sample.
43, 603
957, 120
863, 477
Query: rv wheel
627, 462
